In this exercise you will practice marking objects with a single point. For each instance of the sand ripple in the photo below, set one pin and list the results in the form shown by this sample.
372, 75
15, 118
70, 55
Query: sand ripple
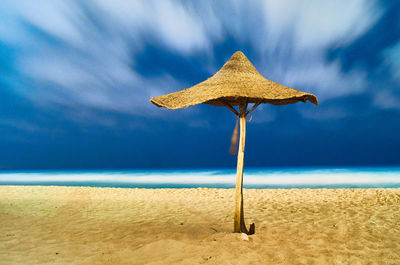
75, 225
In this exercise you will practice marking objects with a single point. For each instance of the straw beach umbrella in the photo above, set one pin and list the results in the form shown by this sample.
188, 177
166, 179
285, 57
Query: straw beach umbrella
237, 83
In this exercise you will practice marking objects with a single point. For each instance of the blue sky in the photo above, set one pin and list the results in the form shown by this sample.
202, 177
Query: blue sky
76, 78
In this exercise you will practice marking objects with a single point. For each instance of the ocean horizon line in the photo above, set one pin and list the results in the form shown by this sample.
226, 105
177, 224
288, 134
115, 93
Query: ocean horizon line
247, 168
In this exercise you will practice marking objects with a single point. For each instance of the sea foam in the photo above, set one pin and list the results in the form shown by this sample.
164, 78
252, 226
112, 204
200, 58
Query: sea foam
253, 178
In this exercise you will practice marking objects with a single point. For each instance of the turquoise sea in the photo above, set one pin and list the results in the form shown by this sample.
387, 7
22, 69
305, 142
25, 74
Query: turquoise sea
366, 177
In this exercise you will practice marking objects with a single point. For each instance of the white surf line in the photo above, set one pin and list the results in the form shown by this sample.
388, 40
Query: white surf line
311, 177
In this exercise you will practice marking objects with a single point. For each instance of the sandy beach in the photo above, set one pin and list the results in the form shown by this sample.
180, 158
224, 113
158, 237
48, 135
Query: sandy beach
81, 225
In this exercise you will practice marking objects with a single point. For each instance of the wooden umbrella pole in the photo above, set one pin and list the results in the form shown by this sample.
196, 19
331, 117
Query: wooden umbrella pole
239, 224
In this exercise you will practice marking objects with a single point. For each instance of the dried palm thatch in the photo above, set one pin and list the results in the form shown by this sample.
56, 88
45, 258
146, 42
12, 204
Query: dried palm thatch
237, 82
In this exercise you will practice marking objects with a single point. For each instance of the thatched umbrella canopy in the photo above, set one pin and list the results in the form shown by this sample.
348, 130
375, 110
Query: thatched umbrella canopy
237, 83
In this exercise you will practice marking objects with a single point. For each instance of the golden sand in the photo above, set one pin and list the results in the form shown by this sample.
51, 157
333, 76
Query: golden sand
79, 225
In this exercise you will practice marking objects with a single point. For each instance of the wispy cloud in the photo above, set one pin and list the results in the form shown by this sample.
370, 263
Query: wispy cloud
83, 54
392, 58
316, 24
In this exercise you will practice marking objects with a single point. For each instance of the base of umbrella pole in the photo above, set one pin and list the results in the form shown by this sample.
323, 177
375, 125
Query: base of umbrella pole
239, 224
